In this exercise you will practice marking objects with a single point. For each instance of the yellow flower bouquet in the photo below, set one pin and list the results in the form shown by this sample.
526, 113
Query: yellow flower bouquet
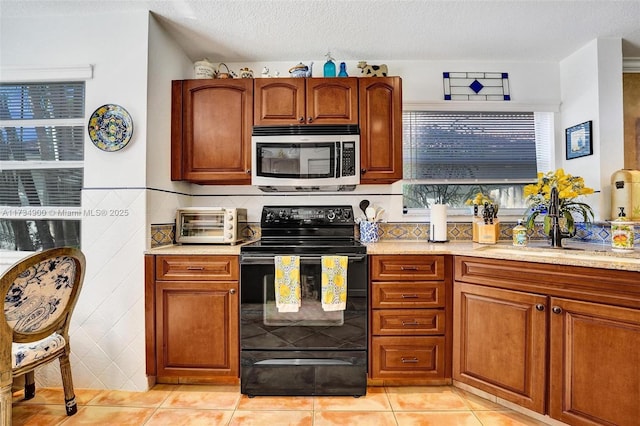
569, 188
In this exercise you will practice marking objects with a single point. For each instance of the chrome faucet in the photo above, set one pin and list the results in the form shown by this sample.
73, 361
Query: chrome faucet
555, 233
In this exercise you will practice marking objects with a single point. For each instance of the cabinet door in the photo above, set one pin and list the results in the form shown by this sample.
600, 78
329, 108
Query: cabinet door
380, 129
197, 328
279, 101
211, 131
499, 343
332, 101
595, 363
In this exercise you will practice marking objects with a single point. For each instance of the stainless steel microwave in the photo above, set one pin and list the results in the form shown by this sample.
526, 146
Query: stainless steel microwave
311, 157
210, 225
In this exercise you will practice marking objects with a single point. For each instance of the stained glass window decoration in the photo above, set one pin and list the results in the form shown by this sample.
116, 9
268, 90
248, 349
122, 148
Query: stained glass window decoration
476, 86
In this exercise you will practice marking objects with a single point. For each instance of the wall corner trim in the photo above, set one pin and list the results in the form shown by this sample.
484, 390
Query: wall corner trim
631, 65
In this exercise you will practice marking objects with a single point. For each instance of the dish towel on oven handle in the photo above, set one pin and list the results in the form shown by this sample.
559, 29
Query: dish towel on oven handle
334, 283
287, 283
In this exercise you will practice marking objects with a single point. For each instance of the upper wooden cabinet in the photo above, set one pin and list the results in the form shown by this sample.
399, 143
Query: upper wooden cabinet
284, 101
380, 129
211, 123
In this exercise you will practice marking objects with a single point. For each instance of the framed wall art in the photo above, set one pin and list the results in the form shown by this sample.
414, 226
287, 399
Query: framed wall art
579, 142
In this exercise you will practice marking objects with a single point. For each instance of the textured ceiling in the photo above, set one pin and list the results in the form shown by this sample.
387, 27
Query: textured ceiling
286, 30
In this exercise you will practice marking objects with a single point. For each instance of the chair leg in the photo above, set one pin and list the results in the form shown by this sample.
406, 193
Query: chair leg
5, 405
29, 385
67, 384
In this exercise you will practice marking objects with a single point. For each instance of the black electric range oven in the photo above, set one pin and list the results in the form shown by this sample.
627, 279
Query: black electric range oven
312, 351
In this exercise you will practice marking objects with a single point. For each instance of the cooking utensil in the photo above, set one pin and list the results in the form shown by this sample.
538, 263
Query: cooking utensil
379, 214
363, 206
370, 212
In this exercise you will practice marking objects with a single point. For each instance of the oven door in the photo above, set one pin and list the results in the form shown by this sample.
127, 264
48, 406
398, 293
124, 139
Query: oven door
262, 327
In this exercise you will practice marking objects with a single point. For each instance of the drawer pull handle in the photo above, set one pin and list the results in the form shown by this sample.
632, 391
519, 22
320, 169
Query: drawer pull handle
410, 296
408, 268
410, 323
195, 268
412, 360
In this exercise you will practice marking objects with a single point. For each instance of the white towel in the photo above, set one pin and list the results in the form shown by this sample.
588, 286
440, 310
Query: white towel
334, 283
287, 283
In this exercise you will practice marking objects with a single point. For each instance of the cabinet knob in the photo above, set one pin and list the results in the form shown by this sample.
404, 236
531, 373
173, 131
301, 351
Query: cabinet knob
310, 120
232, 291
248, 171
363, 171
301, 120
540, 307
556, 310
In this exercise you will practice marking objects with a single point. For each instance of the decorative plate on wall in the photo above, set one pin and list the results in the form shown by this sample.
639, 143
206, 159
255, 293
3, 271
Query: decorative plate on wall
110, 127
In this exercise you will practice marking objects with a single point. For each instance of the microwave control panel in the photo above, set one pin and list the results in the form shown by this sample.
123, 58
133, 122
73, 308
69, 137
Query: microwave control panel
349, 165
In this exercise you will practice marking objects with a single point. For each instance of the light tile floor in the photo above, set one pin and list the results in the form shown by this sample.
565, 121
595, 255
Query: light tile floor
174, 405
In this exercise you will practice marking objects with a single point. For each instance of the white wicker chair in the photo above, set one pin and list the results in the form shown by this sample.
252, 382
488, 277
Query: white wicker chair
39, 294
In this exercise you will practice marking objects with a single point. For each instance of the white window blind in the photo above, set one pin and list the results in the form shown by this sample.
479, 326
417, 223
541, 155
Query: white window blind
469, 146
451, 156
41, 164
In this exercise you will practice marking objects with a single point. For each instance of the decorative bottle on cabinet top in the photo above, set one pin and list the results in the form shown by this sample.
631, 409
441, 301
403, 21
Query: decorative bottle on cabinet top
343, 70
329, 66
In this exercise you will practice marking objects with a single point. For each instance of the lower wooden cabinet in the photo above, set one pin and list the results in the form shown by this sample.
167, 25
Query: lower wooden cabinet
192, 318
559, 340
500, 343
410, 319
197, 328
595, 363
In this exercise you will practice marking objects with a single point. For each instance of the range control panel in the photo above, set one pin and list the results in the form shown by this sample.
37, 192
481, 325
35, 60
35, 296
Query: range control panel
307, 215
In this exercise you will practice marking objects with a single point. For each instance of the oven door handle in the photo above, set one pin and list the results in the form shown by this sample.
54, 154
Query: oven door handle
254, 260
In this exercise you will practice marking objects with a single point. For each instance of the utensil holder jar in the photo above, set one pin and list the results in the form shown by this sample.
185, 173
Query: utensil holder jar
369, 232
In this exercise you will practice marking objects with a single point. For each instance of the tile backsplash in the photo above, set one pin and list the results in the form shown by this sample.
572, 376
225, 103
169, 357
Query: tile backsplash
599, 232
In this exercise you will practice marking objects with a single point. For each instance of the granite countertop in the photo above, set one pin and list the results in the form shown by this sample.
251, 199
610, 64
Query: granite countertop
574, 254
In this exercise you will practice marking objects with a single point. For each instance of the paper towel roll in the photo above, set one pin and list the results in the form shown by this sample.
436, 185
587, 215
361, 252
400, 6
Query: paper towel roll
438, 229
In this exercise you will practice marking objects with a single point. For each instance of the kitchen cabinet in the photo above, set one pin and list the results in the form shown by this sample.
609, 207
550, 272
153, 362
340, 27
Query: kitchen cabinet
211, 124
410, 310
380, 129
595, 363
500, 343
192, 318
559, 340
286, 101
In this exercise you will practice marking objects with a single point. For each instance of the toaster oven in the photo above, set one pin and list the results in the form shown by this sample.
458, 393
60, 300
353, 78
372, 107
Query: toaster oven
210, 225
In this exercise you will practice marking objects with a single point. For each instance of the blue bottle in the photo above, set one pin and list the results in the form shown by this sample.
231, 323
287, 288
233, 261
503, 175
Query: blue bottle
329, 66
343, 70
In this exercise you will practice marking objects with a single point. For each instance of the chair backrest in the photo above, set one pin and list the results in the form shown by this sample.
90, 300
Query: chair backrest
41, 291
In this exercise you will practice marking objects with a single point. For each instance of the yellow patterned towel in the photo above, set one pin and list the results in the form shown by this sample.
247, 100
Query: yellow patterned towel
287, 283
334, 283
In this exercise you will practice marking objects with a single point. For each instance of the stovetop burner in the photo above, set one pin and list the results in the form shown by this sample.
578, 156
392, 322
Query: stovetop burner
308, 230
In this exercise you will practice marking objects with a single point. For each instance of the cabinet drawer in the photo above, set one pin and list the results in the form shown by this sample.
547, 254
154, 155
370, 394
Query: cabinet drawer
408, 357
428, 294
406, 268
197, 268
408, 321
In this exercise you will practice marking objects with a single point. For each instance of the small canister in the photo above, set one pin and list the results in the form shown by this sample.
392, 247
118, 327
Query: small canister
203, 69
622, 233
519, 235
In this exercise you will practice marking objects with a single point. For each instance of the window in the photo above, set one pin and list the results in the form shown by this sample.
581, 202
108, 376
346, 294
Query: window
451, 156
41, 164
